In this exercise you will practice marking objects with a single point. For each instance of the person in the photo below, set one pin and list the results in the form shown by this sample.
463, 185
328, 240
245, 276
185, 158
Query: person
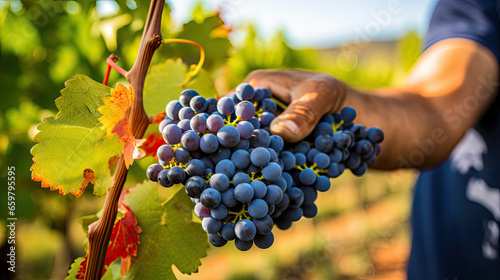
444, 120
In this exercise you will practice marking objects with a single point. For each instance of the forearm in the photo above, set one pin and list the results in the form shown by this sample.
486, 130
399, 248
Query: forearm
447, 92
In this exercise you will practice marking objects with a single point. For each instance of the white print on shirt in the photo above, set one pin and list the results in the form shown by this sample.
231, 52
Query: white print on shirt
478, 191
468, 153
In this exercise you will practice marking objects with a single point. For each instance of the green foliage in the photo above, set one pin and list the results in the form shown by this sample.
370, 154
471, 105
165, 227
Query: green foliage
112, 271
74, 140
169, 235
164, 83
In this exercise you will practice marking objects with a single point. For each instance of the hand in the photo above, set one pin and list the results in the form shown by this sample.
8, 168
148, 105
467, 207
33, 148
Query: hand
309, 95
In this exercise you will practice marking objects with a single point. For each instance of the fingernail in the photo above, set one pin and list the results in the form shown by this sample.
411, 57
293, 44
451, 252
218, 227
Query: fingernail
289, 125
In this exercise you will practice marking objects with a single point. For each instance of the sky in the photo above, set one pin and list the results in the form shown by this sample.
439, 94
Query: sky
319, 23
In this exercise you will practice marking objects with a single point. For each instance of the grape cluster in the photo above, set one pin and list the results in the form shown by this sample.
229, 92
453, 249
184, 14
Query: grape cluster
334, 145
242, 179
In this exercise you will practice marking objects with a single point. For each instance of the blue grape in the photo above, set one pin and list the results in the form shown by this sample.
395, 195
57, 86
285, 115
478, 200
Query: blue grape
257, 208
220, 154
360, 170
260, 138
271, 172
163, 179
288, 179
225, 106
264, 241
307, 176
172, 134
244, 91
227, 231
195, 167
233, 97
260, 157
229, 199
241, 177
220, 212
209, 143
268, 105
335, 169
327, 118
186, 96
300, 159
211, 225
184, 125
348, 114
165, 153
198, 103
283, 223
310, 210
210, 198
153, 171
336, 155
255, 122
245, 129
216, 240
243, 192
226, 167
293, 214
364, 148
322, 160
176, 175
322, 129
201, 211
296, 197
245, 230
243, 245
353, 162
281, 183
288, 160
259, 188
324, 143
359, 131
263, 225
276, 143
186, 113
311, 154
165, 122
244, 144
219, 181
302, 147
198, 123
322, 183
273, 195
273, 154
266, 118
172, 109
194, 186
190, 140
375, 135
214, 123
245, 110
241, 159
310, 195
211, 105
228, 136
259, 94
341, 140
181, 155
283, 204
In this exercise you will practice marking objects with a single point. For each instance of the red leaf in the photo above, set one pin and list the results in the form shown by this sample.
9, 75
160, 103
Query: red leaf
152, 143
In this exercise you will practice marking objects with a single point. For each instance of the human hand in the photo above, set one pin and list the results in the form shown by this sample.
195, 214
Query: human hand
310, 95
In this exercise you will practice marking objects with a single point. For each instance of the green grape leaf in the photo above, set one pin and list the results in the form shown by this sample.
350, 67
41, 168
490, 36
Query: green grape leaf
164, 83
169, 234
72, 148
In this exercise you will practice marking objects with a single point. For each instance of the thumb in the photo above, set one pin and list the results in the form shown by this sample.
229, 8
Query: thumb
300, 117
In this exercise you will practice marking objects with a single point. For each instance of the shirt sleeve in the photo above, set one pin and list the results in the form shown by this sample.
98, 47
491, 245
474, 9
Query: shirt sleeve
476, 20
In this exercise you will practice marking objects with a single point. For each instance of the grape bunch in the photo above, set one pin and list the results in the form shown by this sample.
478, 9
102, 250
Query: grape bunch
334, 145
243, 180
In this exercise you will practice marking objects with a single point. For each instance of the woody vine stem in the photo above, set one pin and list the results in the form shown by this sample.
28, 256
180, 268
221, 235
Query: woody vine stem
100, 232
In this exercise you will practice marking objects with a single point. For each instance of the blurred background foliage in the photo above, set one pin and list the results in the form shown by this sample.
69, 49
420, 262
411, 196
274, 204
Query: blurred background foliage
361, 231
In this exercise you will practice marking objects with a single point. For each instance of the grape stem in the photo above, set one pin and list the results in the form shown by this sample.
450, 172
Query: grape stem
194, 69
100, 231
111, 61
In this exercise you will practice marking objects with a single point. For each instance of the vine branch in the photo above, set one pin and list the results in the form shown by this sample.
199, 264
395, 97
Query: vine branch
100, 232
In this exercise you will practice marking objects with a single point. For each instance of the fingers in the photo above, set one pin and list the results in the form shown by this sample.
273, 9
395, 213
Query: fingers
317, 96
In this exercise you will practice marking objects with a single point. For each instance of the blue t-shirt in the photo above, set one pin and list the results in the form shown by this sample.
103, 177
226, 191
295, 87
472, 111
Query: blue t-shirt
456, 208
